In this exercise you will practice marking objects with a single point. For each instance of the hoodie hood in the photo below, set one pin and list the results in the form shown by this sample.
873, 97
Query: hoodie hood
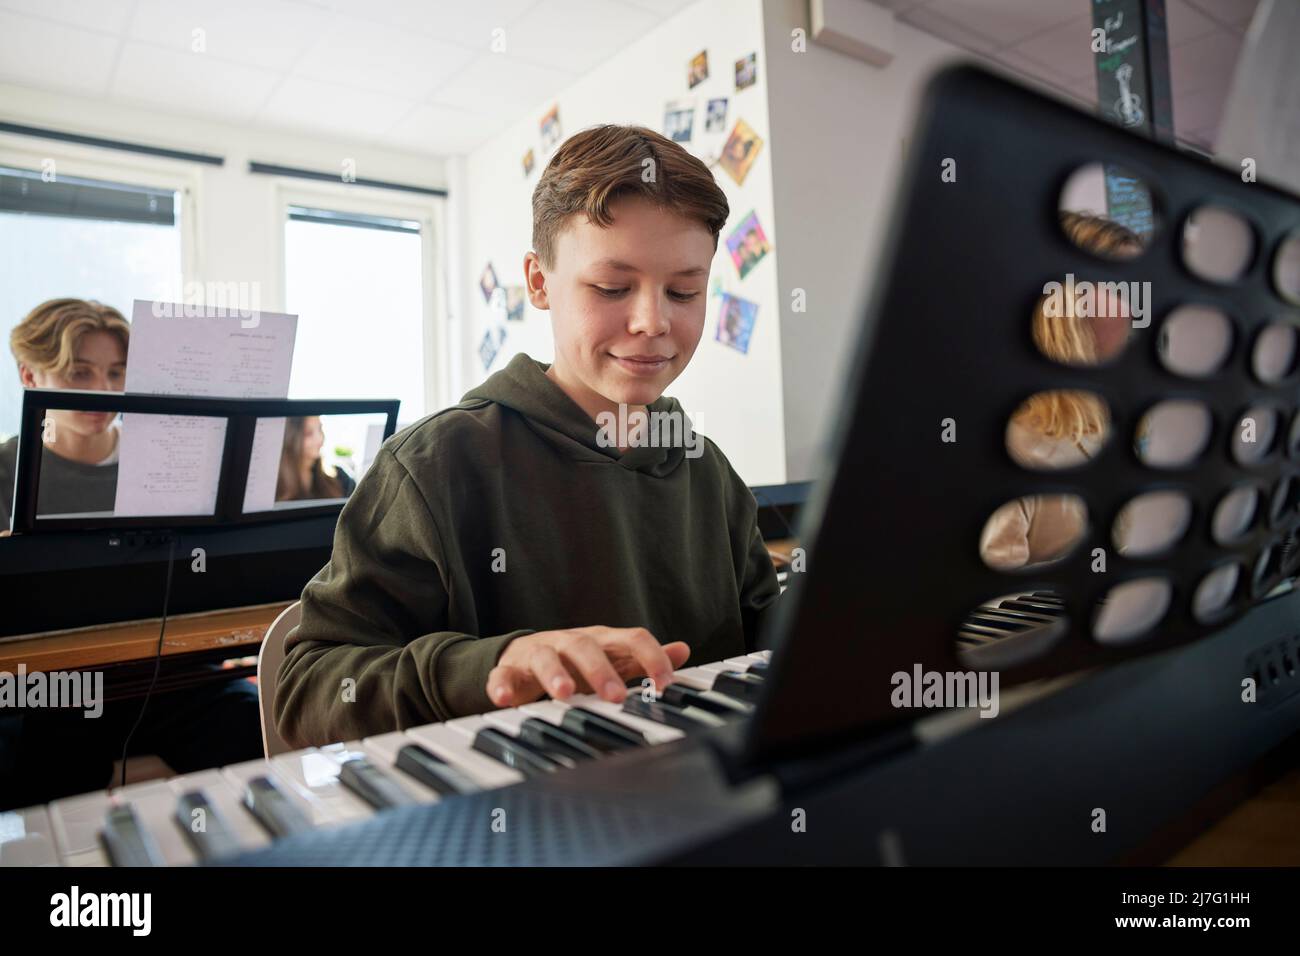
523, 387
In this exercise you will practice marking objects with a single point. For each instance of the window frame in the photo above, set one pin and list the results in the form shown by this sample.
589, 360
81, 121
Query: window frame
91, 162
429, 213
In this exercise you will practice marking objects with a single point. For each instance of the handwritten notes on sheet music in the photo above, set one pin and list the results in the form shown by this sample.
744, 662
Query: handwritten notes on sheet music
170, 464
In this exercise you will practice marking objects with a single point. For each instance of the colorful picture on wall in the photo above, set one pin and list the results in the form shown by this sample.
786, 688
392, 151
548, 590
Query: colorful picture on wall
679, 120
487, 283
715, 116
550, 129
528, 162
699, 69
488, 348
742, 148
748, 244
736, 322
747, 71
515, 303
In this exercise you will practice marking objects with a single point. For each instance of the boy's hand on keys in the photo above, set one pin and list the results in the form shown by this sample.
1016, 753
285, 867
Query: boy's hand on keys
584, 660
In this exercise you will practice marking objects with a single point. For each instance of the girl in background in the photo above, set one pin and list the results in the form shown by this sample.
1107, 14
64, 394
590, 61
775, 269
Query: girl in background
303, 474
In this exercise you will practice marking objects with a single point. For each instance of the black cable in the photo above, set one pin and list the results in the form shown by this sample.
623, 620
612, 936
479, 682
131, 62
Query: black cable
157, 659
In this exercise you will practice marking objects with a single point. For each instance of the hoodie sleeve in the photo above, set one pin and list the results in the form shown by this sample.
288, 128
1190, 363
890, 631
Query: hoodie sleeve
371, 654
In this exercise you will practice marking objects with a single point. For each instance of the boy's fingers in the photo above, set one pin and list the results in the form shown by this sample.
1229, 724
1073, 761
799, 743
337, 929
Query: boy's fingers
550, 672
653, 661
678, 652
582, 653
509, 686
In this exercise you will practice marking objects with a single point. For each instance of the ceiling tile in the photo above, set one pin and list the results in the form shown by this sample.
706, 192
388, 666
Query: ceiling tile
1186, 22
340, 111
937, 25
1007, 22
663, 9
26, 46
266, 33
1204, 63
190, 83
452, 21
1234, 13
499, 84
382, 59
440, 130
576, 35
107, 16
1067, 48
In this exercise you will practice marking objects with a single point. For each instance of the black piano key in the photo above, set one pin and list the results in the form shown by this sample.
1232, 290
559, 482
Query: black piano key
997, 623
671, 715
556, 741
213, 838
514, 753
434, 772
126, 842
759, 667
1041, 607
719, 704
271, 807
601, 731
740, 685
372, 785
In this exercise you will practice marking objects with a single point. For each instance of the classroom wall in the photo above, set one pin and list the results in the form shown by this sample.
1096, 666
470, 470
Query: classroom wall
838, 127
735, 398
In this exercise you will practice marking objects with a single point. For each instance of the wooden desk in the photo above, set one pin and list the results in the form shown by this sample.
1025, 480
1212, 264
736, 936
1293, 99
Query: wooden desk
125, 652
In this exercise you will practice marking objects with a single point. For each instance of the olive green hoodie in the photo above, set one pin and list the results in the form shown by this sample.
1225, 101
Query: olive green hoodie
501, 516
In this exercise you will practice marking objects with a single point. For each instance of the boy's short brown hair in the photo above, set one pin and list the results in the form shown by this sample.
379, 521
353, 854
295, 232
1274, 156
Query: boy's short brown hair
46, 340
598, 165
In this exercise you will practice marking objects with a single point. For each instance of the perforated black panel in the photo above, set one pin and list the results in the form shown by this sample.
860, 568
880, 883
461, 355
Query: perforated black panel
893, 538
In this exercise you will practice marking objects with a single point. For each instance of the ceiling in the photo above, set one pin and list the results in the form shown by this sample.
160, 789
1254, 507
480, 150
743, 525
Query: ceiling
1048, 40
417, 75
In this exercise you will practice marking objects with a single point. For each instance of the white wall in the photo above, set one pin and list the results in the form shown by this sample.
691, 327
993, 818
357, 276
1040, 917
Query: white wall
238, 216
838, 126
735, 397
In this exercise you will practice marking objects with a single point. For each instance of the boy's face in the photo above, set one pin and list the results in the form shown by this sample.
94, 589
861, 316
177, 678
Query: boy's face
627, 302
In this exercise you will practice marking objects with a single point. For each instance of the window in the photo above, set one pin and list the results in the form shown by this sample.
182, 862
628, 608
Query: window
356, 283
86, 238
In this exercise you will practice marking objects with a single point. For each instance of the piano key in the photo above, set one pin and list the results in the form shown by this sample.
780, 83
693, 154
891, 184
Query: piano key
205, 827
454, 747
126, 840
27, 838
711, 701
76, 822
154, 805
654, 733
359, 775
240, 775
267, 800
515, 753
317, 771
696, 677
742, 686
601, 731
687, 718
414, 773
555, 741
228, 801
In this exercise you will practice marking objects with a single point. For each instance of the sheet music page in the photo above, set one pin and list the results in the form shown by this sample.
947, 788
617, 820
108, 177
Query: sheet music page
170, 464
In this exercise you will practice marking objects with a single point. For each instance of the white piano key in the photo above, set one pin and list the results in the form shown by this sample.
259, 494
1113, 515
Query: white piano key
454, 747
552, 710
654, 733
228, 802
383, 757
467, 726
508, 720
696, 677
76, 822
27, 838
760, 656
739, 663
154, 803
317, 772
240, 774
